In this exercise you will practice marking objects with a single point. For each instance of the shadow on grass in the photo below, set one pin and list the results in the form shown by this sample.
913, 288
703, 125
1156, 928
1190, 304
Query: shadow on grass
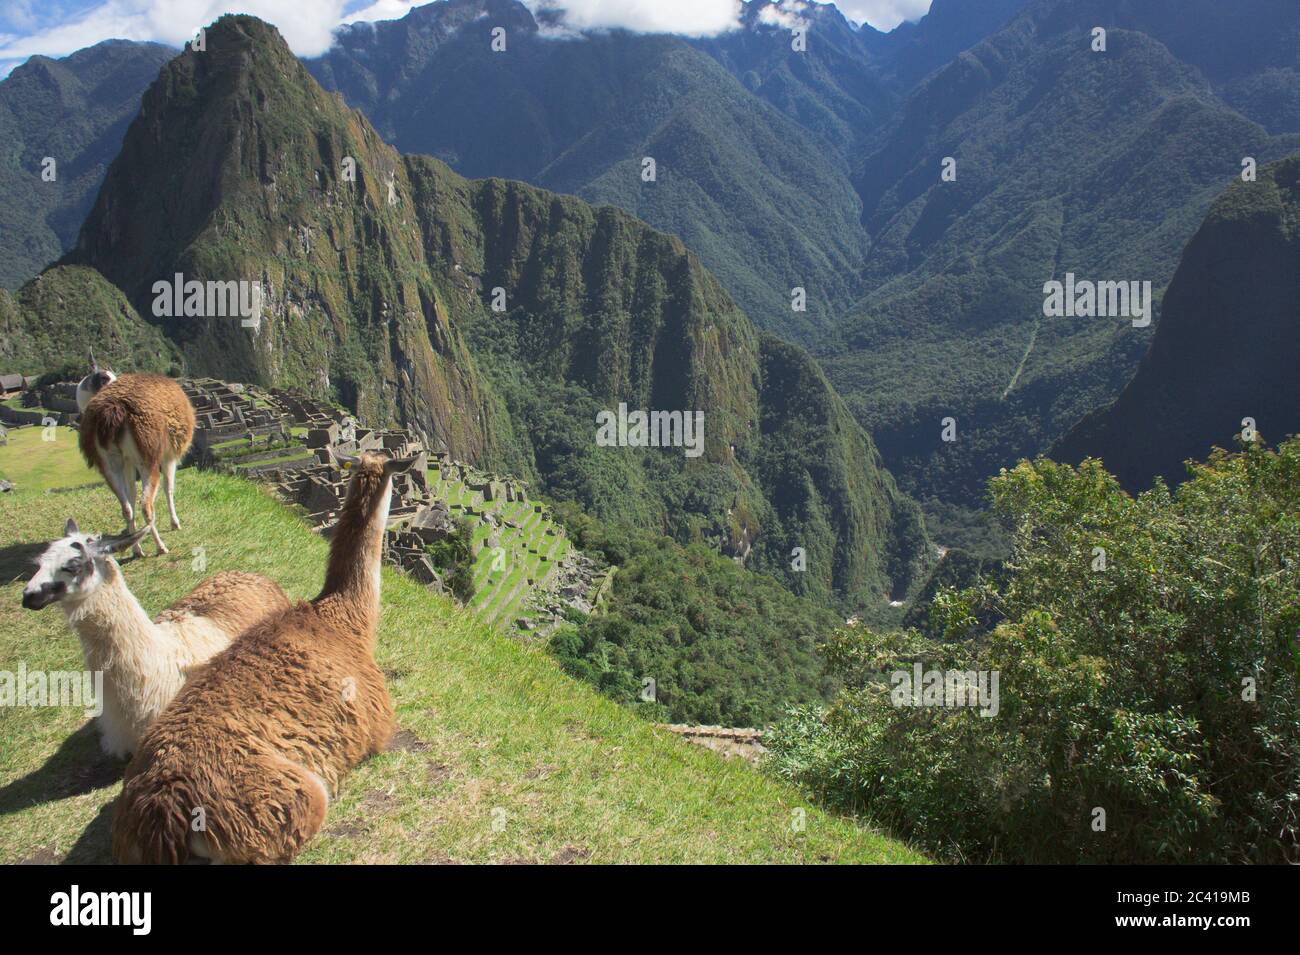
76, 768
19, 560
93, 846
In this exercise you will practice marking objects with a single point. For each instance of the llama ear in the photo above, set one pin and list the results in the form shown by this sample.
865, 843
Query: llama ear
346, 460
71, 528
94, 366
114, 545
398, 465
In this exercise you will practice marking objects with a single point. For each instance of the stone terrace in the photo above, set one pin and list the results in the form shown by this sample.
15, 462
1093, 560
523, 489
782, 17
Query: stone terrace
525, 571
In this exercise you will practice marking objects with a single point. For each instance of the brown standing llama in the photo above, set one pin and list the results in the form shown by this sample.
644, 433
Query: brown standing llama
139, 426
240, 767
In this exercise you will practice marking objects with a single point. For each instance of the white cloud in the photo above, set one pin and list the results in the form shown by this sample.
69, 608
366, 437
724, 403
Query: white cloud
688, 17
383, 10
784, 13
883, 14
308, 25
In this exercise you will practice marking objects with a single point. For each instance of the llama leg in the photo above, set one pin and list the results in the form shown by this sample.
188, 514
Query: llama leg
311, 799
148, 495
133, 487
382, 733
169, 489
123, 486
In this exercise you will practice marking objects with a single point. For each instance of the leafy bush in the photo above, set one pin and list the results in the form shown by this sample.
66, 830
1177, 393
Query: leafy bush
1160, 689
454, 557
723, 645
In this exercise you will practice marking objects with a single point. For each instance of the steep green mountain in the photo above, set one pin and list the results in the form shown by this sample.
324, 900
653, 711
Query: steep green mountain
767, 205
378, 293
52, 321
1098, 164
234, 171
1228, 345
73, 110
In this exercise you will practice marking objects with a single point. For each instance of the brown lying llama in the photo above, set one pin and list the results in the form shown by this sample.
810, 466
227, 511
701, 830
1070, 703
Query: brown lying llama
144, 661
139, 426
259, 739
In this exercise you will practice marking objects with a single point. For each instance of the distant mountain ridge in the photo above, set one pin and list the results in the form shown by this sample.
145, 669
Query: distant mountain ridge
820, 170
764, 206
73, 110
1067, 160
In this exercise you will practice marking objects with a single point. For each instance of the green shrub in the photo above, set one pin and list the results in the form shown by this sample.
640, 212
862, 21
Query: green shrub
1126, 689
454, 557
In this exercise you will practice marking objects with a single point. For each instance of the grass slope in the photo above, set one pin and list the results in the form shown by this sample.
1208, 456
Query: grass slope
491, 730
35, 465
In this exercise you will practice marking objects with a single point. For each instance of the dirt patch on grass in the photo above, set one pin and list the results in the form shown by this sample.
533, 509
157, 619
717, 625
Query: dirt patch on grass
405, 741
42, 856
571, 855
378, 802
351, 829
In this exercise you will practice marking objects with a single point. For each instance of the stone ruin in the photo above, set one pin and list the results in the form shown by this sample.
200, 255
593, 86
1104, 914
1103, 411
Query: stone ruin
745, 742
35, 404
304, 469
294, 443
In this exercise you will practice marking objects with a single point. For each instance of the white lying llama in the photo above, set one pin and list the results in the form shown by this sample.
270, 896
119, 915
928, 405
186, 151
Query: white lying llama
138, 426
144, 662
93, 383
262, 735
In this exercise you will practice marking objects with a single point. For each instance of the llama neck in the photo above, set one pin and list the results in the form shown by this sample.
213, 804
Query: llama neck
110, 621
356, 549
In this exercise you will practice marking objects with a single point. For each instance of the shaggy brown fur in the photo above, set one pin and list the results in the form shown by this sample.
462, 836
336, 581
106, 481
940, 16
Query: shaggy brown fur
259, 739
138, 426
233, 599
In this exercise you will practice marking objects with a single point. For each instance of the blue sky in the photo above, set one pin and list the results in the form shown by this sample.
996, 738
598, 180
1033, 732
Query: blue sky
59, 27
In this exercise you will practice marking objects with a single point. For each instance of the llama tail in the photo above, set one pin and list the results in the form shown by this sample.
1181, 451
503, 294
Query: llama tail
101, 426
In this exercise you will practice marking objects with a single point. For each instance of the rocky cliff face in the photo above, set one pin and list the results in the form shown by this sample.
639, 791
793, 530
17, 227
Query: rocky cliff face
1227, 348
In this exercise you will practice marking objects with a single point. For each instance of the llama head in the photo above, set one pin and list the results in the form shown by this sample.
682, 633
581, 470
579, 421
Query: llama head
357, 540
93, 383
371, 475
74, 566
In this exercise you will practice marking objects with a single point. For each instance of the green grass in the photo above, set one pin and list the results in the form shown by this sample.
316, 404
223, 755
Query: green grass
492, 729
35, 465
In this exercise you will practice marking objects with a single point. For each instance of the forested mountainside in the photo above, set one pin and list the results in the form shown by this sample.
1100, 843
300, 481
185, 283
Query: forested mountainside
51, 322
1067, 160
1228, 346
73, 110
765, 206
379, 293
